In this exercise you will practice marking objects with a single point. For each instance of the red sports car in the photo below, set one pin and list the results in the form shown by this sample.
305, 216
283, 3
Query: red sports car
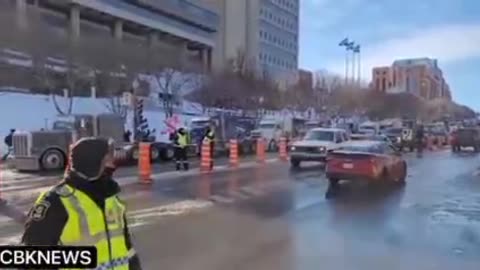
373, 161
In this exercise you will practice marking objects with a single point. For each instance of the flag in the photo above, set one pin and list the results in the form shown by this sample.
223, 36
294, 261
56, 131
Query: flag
350, 45
344, 42
356, 49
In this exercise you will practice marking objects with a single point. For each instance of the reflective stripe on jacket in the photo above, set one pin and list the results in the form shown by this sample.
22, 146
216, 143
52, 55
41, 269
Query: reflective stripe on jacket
182, 139
89, 225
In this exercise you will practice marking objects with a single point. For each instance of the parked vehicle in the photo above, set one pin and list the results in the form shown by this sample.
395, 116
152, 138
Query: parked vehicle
371, 161
272, 129
438, 131
316, 144
366, 137
466, 137
227, 127
394, 134
47, 149
368, 127
407, 140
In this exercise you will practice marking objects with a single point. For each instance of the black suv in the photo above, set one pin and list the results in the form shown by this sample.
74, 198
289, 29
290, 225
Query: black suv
466, 137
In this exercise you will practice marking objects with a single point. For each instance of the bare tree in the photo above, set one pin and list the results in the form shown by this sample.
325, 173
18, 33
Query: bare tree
239, 86
170, 77
326, 81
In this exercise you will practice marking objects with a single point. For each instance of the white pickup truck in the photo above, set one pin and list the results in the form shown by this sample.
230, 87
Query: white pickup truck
316, 144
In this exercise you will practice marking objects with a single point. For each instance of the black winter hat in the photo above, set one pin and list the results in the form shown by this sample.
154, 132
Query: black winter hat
87, 155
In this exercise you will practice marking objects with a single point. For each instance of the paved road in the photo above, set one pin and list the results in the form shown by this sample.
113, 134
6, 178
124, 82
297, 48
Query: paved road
19, 188
280, 219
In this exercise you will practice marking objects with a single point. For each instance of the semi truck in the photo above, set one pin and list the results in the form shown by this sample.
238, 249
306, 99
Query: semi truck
227, 127
272, 129
48, 149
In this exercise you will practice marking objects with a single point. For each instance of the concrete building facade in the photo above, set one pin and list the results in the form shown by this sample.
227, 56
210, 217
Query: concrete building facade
170, 24
421, 77
265, 31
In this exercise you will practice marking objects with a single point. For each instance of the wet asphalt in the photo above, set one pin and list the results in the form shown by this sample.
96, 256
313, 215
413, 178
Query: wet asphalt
270, 217
431, 223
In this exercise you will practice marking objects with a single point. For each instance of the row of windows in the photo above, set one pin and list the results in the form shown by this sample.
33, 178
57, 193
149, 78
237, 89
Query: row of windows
273, 60
287, 4
281, 21
285, 44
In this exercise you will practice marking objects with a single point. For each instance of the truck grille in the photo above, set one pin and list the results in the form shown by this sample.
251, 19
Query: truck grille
20, 145
308, 149
256, 134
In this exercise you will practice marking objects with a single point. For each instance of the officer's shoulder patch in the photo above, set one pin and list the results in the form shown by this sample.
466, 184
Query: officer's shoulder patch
39, 211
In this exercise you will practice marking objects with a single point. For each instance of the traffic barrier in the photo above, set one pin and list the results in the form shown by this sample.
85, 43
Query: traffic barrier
144, 164
233, 155
283, 149
206, 158
261, 157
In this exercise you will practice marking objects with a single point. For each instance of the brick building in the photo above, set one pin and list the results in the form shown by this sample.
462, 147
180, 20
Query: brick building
305, 78
421, 77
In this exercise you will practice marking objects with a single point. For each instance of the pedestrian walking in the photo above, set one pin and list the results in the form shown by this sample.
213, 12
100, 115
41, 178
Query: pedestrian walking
180, 141
419, 138
209, 137
9, 143
84, 209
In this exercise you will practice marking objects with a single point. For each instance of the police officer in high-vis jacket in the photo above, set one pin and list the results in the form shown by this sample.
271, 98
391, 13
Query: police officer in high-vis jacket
180, 142
84, 209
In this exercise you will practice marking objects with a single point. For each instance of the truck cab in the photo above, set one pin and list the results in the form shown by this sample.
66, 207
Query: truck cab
226, 127
48, 149
271, 130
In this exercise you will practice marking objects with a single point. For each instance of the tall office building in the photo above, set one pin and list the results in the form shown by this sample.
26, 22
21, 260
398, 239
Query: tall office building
265, 31
179, 25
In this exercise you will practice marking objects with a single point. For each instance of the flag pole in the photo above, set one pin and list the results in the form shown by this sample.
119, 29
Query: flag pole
359, 67
346, 66
354, 66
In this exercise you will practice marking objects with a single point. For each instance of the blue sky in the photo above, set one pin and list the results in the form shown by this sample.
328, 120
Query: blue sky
448, 30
